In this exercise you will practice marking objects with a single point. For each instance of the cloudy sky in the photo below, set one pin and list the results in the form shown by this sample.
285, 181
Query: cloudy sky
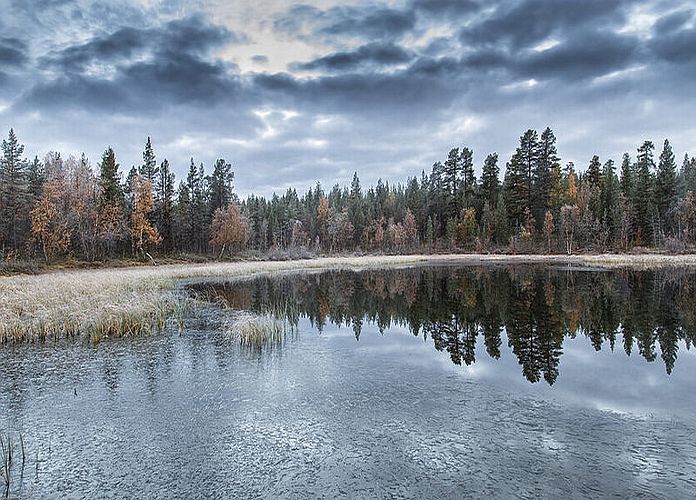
294, 93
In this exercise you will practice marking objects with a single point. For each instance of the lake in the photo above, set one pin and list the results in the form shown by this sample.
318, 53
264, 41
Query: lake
446, 382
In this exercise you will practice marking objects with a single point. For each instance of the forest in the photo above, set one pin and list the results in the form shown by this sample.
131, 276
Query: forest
57, 208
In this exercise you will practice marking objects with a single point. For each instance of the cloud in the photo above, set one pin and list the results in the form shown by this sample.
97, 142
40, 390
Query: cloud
519, 24
373, 22
12, 52
395, 83
133, 69
371, 55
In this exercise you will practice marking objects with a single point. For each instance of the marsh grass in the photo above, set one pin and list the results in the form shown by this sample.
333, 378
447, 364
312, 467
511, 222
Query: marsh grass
259, 331
107, 303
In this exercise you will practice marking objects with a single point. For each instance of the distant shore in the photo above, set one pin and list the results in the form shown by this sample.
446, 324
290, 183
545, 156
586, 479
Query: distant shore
115, 302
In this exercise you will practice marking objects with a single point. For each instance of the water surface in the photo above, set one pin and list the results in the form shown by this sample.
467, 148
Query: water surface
500, 381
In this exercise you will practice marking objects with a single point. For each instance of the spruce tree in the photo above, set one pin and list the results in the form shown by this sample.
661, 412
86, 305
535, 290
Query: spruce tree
626, 177
490, 183
451, 175
542, 174
165, 212
518, 177
665, 182
111, 192
468, 181
594, 172
642, 199
36, 177
356, 213
610, 199
13, 193
149, 167
220, 185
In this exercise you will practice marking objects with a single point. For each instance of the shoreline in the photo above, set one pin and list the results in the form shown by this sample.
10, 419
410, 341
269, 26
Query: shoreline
123, 301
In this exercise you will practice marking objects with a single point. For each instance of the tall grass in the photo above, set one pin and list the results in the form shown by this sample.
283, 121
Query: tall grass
122, 302
259, 331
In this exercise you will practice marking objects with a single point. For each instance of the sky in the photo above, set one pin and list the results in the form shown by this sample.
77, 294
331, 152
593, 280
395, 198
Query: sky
295, 93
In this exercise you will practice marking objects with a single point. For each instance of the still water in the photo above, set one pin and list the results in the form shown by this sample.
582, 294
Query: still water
422, 382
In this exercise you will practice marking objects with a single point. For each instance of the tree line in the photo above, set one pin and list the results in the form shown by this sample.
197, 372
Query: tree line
60, 206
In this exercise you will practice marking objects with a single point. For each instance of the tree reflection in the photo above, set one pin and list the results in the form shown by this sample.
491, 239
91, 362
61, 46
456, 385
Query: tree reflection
535, 308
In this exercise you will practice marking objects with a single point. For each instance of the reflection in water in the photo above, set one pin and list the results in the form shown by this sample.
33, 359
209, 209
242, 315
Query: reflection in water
537, 308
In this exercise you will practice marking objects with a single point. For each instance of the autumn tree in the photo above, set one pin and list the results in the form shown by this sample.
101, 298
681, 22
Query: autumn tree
228, 230
49, 227
143, 233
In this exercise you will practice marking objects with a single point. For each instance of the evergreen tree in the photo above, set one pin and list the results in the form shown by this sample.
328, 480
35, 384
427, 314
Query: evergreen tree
542, 174
356, 211
468, 181
642, 199
519, 177
665, 182
36, 177
13, 193
490, 182
220, 185
610, 199
594, 172
182, 211
149, 167
165, 212
626, 177
451, 175
109, 180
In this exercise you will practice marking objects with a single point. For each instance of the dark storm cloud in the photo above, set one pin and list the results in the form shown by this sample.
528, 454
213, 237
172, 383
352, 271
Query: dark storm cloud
527, 22
12, 52
587, 56
369, 22
192, 36
373, 54
673, 41
173, 69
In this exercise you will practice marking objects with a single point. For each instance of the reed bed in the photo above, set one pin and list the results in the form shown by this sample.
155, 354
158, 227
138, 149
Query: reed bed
259, 331
108, 303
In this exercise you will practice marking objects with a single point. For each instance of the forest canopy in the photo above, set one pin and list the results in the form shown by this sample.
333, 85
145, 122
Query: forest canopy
57, 207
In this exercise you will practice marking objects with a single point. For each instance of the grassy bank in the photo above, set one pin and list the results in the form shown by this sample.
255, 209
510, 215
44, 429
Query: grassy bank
131, 301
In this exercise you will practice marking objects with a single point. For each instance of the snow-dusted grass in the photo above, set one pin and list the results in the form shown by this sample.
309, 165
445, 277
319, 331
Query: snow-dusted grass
122, 302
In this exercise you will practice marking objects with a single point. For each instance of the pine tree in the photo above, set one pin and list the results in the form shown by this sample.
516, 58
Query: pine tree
594, 172
542, 174
610, 200
13, 193
109, 180
451, 175
149, 167
468, 181
665, 182
165, 212
220, 185
183, 208
627, 177
518, 183
490, 182
36, 177
642, 199
356, 212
